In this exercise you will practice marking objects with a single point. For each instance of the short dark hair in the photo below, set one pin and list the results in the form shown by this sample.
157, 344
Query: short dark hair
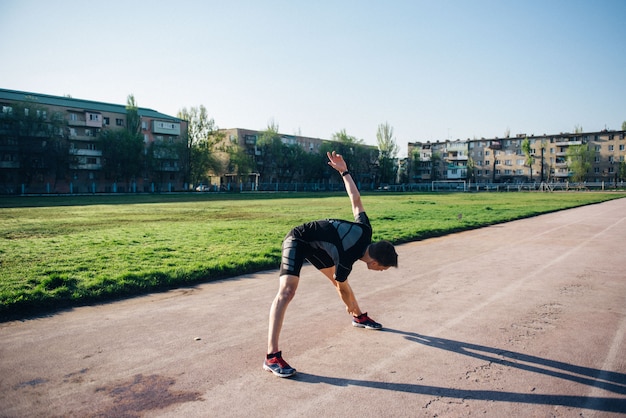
384, 253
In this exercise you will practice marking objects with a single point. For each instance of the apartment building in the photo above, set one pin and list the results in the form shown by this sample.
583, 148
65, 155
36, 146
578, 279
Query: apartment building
247, 139
364, 163
503, 160
52, 144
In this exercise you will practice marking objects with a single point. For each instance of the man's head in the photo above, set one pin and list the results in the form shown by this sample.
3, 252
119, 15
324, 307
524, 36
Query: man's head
383, 255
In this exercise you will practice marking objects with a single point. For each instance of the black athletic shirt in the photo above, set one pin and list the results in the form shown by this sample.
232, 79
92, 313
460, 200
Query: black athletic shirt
345, 242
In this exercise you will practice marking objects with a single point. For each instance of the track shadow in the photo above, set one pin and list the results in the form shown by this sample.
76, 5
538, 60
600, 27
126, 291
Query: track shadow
606, 380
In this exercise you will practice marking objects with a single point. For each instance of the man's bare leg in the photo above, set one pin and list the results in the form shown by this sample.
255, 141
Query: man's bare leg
286, 292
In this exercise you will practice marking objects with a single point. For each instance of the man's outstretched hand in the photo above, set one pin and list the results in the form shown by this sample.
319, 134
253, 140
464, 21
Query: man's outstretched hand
336, 161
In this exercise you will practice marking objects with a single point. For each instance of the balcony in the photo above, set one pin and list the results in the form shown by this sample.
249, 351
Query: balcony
9, 164
86, 152
76, 123
86, 166
75, 137
567, 143
169, 169
458, 157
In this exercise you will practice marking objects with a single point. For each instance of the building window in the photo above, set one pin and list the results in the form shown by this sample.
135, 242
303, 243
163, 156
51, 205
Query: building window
106, 121
119, 122
610, 147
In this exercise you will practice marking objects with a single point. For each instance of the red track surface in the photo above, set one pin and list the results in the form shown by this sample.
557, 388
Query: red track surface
526, 318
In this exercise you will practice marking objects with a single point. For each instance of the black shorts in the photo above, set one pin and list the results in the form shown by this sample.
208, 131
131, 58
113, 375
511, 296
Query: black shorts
295, 251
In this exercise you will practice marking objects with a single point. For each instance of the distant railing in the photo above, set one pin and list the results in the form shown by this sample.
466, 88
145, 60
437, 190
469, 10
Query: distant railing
75, 188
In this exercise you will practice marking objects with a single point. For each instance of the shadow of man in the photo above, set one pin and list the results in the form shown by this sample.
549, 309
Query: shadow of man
610, 381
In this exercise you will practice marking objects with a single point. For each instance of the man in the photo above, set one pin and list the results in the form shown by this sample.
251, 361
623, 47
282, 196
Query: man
332, 246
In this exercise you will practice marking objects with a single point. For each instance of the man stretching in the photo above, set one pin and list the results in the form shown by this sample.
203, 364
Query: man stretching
332, 246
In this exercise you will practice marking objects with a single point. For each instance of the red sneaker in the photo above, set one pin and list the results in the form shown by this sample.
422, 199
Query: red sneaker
364, 321
274, 363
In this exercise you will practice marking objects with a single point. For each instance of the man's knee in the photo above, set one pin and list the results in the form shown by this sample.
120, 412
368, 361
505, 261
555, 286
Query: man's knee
288, 287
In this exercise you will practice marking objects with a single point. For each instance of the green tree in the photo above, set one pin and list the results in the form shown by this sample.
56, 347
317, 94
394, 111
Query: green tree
388, 151
362, 159
580, 161
435, 161
530, 157
239, 162
471, 169
270, 147
621, 170
624, 126
122, 154
279, 161
123, 149
133, 120
415, 165
200, 151
42, 149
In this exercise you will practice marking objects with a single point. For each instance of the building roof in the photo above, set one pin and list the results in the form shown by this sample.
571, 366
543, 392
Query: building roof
71, 102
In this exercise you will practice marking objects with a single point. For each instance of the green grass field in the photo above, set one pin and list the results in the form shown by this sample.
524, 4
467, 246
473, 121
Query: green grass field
59, 252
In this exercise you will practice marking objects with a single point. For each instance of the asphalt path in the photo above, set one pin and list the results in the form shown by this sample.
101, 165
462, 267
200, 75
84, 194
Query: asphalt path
526, 318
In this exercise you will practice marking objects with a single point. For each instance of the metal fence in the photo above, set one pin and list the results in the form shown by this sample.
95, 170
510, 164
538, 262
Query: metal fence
325, 187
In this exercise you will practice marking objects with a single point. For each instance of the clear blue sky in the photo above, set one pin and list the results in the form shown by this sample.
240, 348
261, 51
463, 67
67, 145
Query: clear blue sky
432, 69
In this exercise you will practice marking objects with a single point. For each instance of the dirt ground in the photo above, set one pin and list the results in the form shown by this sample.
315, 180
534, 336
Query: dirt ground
525, 319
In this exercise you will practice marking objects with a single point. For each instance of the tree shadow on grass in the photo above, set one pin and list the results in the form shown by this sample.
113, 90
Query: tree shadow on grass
607, 380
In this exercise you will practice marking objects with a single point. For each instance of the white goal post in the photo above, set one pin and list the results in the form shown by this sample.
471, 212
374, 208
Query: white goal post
449, 186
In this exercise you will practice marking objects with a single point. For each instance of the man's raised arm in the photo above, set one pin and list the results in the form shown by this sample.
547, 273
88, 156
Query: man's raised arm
337, 162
